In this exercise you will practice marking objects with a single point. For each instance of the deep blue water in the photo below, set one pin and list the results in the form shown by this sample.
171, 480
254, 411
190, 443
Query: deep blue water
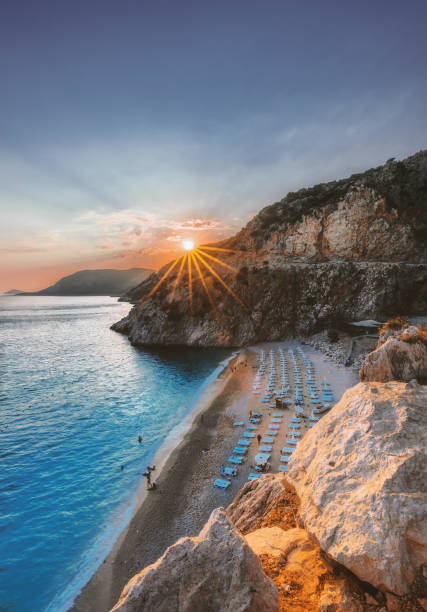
74, 398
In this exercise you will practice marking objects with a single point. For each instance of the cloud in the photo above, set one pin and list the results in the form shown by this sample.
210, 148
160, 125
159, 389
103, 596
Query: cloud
198, 225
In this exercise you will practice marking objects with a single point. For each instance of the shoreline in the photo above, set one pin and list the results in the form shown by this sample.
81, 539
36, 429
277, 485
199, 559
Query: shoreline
181, 435
185, 495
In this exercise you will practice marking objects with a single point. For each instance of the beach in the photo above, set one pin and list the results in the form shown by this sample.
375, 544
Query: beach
185, 496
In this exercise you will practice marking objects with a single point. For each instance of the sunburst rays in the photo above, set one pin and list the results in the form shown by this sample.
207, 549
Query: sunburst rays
195, 261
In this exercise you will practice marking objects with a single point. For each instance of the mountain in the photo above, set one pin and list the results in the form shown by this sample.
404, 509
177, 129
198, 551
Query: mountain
13, 292
97, 282
346, 250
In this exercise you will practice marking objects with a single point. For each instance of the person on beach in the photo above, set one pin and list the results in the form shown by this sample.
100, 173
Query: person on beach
250, 414
150, 468
222, 470
147, 475
258, 438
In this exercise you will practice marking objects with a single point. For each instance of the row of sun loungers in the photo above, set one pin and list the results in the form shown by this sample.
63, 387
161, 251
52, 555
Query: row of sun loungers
305, 392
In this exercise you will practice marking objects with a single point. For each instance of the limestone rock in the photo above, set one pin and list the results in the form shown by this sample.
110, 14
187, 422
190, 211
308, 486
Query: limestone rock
361, 475
258, 499
341, 595
215, 571
305, 579
274, 541
397, 359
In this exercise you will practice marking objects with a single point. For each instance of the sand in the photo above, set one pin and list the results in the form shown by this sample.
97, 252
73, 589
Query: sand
185, 496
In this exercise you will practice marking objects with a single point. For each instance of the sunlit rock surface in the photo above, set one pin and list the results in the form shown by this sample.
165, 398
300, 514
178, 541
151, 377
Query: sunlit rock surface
307, 579
361, 476
216, 571
397, 358
265, 500
347, 250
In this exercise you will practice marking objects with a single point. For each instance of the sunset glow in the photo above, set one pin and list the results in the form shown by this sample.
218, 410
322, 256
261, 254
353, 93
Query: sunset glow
188, 245
195, 256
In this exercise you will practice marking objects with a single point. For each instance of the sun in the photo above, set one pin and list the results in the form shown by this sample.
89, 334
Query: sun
188, 245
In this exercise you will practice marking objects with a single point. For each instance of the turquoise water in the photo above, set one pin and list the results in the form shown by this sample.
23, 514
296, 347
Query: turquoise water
74, 398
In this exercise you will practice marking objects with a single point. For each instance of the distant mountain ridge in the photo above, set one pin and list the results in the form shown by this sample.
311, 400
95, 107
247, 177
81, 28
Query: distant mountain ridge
96, 282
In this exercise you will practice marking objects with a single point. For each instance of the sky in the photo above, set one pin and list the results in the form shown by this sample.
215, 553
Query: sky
127, 127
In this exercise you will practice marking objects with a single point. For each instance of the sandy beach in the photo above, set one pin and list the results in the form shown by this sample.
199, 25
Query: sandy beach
185, 495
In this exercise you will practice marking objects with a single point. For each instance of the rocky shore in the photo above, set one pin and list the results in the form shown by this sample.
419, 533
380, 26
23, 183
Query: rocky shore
344, 530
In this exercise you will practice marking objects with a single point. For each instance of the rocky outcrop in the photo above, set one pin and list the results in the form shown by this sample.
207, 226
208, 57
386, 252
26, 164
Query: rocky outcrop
360, 475
216, 571
264, 501
308, 581
297, 298
346, 250
401, 356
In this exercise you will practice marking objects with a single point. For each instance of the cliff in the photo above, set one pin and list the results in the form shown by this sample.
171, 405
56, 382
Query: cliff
344, 531
347, 250
96, 282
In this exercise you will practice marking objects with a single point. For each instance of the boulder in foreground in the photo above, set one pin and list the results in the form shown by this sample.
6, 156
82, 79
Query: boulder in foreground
403, 356
264, 501
215, 571
360, 474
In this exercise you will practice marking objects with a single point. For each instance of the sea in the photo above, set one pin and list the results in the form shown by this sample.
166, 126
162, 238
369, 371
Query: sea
74, 398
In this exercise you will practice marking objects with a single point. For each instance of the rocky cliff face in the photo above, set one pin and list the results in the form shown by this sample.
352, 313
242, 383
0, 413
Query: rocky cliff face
350, 249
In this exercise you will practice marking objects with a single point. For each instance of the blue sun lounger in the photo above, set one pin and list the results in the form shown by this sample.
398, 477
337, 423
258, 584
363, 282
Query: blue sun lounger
284, 458
243, 442
234, 459
294, 425
271, 432
228, 471
295, 420
240, 450
295, 434
223, 484
274, 426
252, 427
291, 441
267, 440
265, 448
276, 420
248, 434
287, 449
238, 423
252, 476
313, 418
283, 468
